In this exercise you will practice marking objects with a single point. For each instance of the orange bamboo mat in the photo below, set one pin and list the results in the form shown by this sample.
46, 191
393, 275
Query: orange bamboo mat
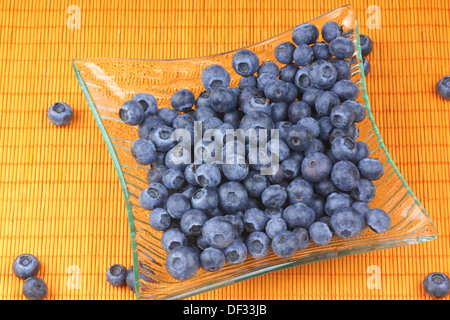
60, 198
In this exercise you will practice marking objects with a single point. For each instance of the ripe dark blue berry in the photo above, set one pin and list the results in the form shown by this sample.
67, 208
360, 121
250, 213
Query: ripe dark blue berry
61, 114
25, 266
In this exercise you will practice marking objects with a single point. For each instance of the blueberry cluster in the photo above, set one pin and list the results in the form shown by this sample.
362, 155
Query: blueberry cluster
215, 213
26, 267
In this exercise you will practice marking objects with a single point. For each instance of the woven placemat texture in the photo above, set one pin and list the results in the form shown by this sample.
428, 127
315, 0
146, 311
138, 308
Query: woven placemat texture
60, 198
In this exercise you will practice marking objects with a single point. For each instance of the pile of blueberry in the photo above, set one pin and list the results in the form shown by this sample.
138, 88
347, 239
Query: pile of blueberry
26, 267
214, 213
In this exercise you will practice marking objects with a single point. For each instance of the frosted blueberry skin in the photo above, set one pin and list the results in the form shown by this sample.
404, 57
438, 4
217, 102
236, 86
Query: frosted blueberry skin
25, 266
148, 103
331, 30
182, 263
245, 62
258, 244
116, 275
182, 100
443, 87
305, 34
342, 48
35, 288
378, 220
212, 259
61, 114
215, 77
436, 285
366, 44
320, 233
347, 223
285, 244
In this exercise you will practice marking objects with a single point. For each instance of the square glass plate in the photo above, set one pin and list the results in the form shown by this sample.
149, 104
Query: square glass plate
108, 82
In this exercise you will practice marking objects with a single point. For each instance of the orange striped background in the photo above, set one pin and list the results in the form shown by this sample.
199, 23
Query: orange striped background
60, 198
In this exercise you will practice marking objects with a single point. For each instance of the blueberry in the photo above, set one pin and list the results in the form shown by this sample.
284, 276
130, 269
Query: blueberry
277, 90
347, 223
183, 100
211, 124
321, 51
298, 110
358, 109
302, 237
303, 55
183, 121
177, 157
255, 184
116, 275
173, 178
352, 132
232, 196
291, 168
162, 138
285, 244
366, 44
189, 191
248, 81
143, 151
131, 112
436, 285
235, 172
274, 196
235, 252
305, 33
288, 72
167, 115
204, 113
378, 220
61, 114
342, 48
343, 148
254, 220
346, 90
256, 121
237, 220
345, 175
298, 138
362, 151
153, 196
223, 100
148, 102
177, 205
311, 125
302, 80
205, 199
275, 226
299, 191
282, 127
130, 279
326, 128
322, 74
331, 30
320, 233
343, 69
316, 167
256, 104
258, 244
371, 169
298, 215
325, 187
192, 221
35, 288
443, 87
283, 149
279, 111
284, 52
148, 125
207, 175
342, 116
233, 118
182, 263
159, 219
316, 146
245, 62
212, 259
173, 238
269, 67
214, 77
335, 201
264, 79
361, 207
310, 96
218, 232
366, 66
326, 102
25, 266
272, 213
364, 191
317, 204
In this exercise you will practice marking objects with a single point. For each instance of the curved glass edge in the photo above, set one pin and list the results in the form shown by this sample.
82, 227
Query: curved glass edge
116, 163
315, 258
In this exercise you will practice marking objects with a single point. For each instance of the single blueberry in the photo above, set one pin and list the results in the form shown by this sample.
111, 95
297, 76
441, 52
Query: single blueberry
343, 148
298, 215
61, 114
361, 207
192, 222
301, 79
116, 275
345, 175
347, 223
159, 219
254, 220
173, 178
305, 33
358, 109
378, 220
218, 232
148, 102
232, 196
342, 116
298, 110
205, 112
214, 77
256, 104
256, 120
371, 169
443, 87
366, 44
178, 158
311, 125
362, 151
335, 201
364, 191
143, 151
207, 175
236, 172
205, 199
342, 48
321, 51
303, 55
235, 252
153, 196
237, 220
167, 115
284, 52
291, 168
279, 111
35, 288
285, 244
233, 118
130, 279
183, 100
298, 138
131, 112
148, 125
223, 100
269, 67
316, 146
316, 167
277, 90
366, 66
258, 244
248, 81
320, 233
282, 127
326, 102
299, 191
182, 263
274, 226
162, 138
322, 74
288, 72
245, 62
264, 79
178, 205
326, 128
331, 30
346, 90
310, 96
343, 69
25, 266
325, 187
274, 196
436, 285
212, 259
255, 184
173, 238
302, 237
